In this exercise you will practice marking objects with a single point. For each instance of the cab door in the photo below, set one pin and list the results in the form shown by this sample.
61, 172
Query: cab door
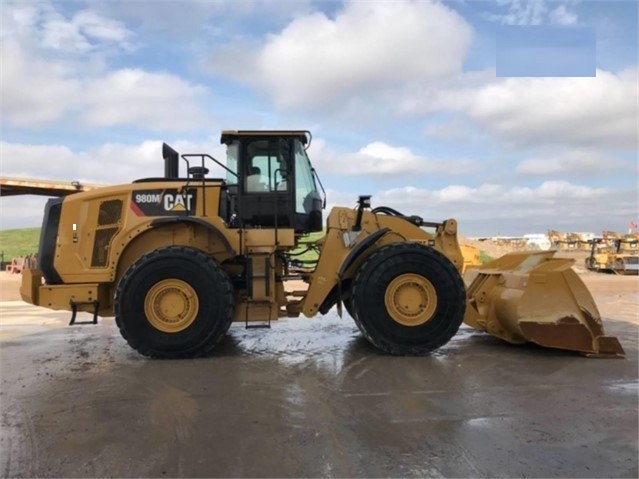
266, 193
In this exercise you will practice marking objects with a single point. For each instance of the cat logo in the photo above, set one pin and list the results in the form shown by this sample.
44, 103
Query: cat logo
164, 202
177, 202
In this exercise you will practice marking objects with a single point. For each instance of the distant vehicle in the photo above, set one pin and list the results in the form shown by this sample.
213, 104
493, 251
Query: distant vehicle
614, 254
538, 239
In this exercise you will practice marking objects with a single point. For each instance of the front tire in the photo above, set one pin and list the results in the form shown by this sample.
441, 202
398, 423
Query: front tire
408, 299
174, 302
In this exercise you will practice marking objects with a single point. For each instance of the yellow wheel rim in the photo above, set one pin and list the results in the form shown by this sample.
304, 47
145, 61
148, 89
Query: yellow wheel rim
410, 299
171, 305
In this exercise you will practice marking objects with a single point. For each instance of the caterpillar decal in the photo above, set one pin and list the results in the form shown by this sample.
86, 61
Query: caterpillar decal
163, 202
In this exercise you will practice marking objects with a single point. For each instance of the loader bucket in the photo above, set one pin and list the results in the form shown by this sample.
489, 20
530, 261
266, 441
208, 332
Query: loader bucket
535, 297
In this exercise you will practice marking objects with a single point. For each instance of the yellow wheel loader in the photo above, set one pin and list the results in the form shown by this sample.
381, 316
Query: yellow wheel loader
614, 254
601, 256
625, 259
177, 259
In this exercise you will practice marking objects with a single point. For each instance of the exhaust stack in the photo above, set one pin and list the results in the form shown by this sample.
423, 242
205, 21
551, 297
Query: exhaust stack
171, 160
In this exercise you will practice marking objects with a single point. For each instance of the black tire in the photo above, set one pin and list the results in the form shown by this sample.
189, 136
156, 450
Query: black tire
203, 316
390, 265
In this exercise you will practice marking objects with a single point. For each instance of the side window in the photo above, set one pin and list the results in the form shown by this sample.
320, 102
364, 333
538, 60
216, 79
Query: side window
305, 185
231, 161
267, 166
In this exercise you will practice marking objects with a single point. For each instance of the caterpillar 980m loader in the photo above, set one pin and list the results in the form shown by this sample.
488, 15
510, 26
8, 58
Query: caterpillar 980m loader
177, 259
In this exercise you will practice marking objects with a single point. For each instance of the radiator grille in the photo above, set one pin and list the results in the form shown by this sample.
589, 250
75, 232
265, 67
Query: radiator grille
108, 225
110, 212
101, 246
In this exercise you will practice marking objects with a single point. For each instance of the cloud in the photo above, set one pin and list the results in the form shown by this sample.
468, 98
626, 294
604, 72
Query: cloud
108, 163
562, 16
137, 97
379, 160
43, 25
481, 208
38, 91
320, 62
492, 194
578, 162
21, 211
534, 12
53, 69
597, 111
492, 208
34, 90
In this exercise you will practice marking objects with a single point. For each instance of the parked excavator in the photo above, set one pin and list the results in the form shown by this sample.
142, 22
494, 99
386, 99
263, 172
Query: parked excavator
176, 259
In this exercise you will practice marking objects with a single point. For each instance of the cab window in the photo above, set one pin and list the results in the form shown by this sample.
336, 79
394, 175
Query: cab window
306, 190
267, 165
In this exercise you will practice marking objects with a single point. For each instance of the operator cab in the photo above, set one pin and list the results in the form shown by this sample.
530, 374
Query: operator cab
275, 183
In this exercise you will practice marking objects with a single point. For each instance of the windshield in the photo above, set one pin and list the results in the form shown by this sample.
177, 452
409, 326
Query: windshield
232, 151
306, 190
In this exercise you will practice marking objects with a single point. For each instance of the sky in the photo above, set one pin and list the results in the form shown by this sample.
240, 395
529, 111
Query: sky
441, 109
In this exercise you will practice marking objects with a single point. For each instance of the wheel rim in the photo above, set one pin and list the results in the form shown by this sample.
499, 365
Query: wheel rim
410, 299
171, 305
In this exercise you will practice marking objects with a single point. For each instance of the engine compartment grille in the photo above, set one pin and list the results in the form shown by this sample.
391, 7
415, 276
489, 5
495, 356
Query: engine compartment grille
108, 225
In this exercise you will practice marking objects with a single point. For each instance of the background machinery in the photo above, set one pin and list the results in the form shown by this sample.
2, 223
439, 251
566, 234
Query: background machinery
614, 253
177, 259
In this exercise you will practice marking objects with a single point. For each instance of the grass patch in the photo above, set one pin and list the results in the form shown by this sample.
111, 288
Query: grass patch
20, 242
484, 257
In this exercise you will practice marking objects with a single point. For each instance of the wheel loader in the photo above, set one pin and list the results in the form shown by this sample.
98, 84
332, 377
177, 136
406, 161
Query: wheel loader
178, 258
614, 254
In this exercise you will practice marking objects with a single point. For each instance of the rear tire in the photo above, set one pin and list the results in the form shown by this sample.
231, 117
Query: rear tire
174, 302
408, 299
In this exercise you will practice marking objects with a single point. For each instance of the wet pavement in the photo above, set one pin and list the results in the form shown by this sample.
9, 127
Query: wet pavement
309, 398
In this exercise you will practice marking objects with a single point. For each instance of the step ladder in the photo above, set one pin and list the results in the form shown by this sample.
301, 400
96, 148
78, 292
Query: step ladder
258, 287
74, 311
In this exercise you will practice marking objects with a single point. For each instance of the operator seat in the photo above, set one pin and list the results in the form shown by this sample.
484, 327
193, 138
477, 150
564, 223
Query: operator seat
253, 183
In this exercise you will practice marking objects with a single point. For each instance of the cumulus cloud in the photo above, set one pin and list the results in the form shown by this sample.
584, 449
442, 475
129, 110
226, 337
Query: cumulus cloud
496, 208
595, 111
486, 194
379, 160
46, 76
405, 58
317, 61
107, 163
574, 163
35, 90
38, 91
137, 97
43, 25
599, 110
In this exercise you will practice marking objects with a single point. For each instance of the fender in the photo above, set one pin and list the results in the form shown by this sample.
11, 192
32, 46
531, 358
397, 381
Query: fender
197, 221
335, 295
359, 249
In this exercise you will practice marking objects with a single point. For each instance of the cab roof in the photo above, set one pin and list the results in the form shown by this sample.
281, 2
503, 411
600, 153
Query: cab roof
228, 135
